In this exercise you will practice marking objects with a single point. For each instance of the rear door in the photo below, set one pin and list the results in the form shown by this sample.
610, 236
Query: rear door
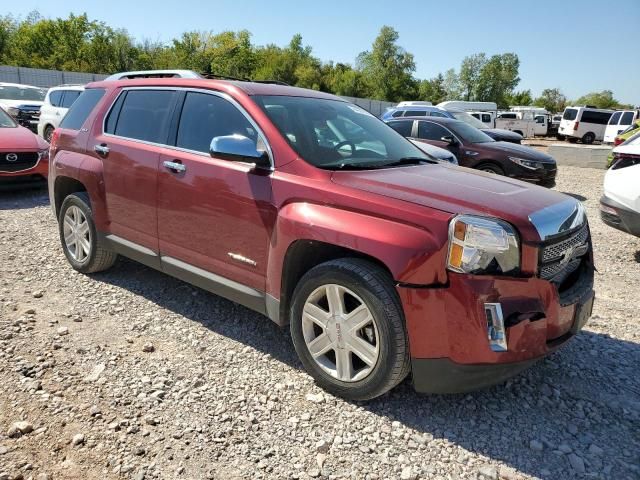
214, 215
612, 127
569, 121
135, 129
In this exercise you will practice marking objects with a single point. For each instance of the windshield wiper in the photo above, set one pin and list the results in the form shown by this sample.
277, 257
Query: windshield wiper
406, 161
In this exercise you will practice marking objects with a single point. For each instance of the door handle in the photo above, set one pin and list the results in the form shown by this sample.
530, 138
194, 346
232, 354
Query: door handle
102, 149
175, 166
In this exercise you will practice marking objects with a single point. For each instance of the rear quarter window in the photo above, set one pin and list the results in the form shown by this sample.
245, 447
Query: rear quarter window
570, 114
55, 97
82, 108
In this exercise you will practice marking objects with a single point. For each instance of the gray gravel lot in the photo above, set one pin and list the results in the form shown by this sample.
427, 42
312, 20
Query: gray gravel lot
133, 374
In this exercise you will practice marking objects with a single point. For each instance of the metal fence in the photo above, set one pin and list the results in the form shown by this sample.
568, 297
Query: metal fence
44, 78
51, 78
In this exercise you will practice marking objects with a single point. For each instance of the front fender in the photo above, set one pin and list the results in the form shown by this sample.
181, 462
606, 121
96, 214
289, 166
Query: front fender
412, 254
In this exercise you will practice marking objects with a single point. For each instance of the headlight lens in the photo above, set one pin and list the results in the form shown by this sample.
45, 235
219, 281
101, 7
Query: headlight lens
43, 154
13, 111
527, 163
482, 245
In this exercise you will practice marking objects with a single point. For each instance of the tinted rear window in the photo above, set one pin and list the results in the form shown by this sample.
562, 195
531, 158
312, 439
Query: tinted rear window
402, 127
81, 108
145, 115
627, 118
614, 118
70, 96
599, 118
55, 97
570, 114
415, 113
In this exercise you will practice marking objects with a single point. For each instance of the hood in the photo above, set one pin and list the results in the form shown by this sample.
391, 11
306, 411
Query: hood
20, 139
523, 151
500, 134
4, 103
459, 190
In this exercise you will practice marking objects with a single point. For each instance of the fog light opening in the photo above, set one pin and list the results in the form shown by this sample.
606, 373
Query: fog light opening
496, 333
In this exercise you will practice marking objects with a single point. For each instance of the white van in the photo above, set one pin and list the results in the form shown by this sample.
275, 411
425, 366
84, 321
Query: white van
56, 103
584, 123
618, 123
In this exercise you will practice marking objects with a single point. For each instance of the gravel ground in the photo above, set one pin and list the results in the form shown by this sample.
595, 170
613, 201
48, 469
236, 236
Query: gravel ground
132, 374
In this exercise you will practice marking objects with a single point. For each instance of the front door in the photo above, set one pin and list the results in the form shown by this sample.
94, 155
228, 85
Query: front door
213, 214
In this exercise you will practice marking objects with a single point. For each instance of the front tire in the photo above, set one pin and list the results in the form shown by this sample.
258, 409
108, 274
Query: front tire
490, 168
79, 237
347, 327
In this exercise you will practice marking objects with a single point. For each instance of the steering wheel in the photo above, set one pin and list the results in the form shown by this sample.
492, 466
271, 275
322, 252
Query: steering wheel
343, 143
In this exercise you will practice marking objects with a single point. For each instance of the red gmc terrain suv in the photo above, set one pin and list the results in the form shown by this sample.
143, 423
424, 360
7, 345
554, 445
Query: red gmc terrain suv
309, 210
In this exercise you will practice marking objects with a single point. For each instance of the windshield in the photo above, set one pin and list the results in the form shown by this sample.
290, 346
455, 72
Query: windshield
469, 134
22, 93
570, 114
469, 119
332, 134
5, 120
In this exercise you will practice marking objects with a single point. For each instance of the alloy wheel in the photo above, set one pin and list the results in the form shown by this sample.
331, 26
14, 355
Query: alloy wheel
77, 234
340, 333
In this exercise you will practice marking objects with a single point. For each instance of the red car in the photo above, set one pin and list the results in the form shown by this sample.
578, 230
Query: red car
309, 210
24, 156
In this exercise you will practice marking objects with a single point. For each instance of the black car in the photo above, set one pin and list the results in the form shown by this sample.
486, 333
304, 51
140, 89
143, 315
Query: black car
476, 149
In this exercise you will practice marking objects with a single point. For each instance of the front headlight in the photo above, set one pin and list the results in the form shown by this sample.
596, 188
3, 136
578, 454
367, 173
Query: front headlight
13, 111
482, 245
527, 163
43, 154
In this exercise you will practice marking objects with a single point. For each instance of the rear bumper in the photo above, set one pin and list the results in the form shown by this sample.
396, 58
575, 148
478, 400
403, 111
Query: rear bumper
448, 328
623, 219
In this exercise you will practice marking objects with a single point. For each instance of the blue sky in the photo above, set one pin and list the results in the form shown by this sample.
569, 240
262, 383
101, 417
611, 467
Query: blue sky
577, 45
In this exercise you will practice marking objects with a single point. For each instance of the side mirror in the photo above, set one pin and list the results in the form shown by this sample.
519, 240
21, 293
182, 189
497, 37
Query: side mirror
449, 139
239, 148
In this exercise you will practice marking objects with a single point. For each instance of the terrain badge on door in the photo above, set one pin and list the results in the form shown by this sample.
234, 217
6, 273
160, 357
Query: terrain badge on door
242, 258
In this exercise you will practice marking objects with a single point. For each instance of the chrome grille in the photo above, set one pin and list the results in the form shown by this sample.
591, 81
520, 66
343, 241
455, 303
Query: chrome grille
560, 259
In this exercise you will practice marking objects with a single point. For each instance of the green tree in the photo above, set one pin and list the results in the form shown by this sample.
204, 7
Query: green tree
498, 78
603, 99
469, 77
433, 90
522, 98
451, 85
232, 54
387, 68
552, 99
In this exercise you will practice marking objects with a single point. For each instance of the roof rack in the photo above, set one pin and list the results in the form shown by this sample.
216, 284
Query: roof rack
272, 82
213, 76
154, 74
69, 85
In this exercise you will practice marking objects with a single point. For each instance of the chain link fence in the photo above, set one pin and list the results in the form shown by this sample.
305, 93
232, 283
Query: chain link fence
51, 78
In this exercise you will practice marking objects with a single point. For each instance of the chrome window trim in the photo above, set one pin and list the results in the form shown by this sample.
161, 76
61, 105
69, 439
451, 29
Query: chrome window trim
222, 95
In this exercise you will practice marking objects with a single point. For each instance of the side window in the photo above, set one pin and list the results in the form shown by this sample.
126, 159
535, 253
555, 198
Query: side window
415, 113
55, 98
476, 115
599, 118
70, 96
403, 127
431, 131
114, 113
145, 115
615, 118
437, 114
81, 108
627, 118
206, 116
486, 118
397, 113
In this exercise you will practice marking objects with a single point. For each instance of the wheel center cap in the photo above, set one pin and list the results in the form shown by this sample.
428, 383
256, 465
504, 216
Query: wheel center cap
335, 330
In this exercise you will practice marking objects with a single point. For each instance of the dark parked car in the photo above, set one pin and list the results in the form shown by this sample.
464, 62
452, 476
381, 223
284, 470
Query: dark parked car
313, 212
475, 149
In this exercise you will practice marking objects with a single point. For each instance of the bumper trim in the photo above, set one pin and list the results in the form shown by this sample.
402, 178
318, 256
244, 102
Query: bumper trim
442, 376
626, 220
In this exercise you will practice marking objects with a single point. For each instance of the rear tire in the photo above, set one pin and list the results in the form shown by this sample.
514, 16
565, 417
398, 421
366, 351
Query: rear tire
490, 168
79, 237
588, 138
347, 312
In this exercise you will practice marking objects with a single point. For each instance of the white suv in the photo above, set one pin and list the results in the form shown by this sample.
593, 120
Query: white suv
56, 104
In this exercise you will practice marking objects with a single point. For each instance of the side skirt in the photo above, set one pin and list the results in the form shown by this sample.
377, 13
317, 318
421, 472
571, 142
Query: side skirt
229, 289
